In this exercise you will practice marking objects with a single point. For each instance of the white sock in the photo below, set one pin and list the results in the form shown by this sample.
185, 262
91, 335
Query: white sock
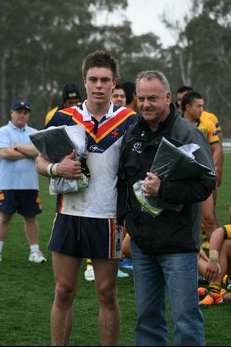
34, 248
1, 246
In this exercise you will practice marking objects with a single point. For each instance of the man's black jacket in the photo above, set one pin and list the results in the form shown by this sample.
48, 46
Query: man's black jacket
169, 232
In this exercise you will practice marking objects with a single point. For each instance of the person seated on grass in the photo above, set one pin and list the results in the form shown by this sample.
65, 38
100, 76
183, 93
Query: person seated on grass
216, 268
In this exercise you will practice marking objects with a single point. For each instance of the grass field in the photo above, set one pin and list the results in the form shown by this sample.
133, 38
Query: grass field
27, 290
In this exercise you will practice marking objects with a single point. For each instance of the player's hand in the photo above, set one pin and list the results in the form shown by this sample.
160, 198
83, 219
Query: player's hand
70, 167
213, 271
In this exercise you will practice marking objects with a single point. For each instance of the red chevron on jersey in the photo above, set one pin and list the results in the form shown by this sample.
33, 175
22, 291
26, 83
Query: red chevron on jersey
110, 124
119, 116
77, 116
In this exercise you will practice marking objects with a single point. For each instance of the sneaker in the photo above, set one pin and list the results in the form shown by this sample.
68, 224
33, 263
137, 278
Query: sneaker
211, 299
37, 257
202, 292
126, 264
89, 274
122, 274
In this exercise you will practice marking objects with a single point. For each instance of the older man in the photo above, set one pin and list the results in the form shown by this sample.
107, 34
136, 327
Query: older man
164, 247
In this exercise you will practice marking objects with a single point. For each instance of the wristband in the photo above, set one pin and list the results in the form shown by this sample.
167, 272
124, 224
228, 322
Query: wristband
49, 169
54, 169
213, 254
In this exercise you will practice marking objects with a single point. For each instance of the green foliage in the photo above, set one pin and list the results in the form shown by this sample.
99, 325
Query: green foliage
210, 41
224, 198
27, 290
43, 43
201, 56
220, 9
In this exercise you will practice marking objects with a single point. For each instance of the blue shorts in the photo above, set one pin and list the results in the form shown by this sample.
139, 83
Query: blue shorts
25, 202
84, 237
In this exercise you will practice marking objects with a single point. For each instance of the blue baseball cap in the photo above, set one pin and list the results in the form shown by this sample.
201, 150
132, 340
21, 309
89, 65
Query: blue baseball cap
18, 104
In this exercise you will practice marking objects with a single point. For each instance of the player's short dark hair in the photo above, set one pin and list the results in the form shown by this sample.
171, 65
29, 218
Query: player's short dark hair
188, 99
100, 58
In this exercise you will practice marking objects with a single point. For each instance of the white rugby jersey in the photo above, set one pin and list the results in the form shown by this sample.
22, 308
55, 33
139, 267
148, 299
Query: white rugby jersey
103, 145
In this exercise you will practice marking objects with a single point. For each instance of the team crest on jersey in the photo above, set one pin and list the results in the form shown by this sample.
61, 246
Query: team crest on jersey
115, 133
137, 147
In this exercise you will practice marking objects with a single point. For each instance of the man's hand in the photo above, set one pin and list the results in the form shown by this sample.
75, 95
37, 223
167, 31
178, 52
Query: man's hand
28, 150
69, 167
11, 153
213, 270
151, 185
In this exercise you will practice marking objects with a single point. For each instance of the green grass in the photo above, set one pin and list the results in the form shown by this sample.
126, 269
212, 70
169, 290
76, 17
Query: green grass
27, 290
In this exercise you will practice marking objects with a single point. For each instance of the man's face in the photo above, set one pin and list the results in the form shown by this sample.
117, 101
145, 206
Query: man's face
118, 97
20, 117
99, 84
195, 109
153, 101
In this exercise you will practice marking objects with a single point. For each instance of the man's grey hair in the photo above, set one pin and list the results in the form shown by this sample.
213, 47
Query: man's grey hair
150, 74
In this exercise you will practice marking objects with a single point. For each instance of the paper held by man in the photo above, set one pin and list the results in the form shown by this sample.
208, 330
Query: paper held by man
170, 162
54, 143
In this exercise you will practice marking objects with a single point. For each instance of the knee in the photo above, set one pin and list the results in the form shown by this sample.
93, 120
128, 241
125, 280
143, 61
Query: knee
107, 297
209, 219
64, 295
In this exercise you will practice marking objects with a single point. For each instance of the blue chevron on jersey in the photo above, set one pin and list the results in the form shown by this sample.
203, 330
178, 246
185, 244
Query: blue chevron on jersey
103, 134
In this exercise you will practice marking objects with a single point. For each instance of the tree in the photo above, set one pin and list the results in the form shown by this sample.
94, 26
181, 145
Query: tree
202, 54
42, 44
